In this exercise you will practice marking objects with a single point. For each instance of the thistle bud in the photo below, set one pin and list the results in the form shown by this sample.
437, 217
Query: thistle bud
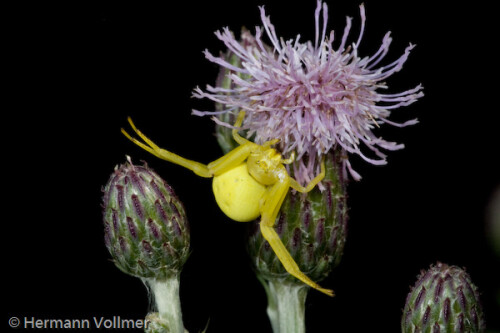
312, 226
443, 300
155, 323
224, 134
145, 226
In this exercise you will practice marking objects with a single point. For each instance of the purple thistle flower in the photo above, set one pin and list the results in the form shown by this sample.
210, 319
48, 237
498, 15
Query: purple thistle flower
312, 97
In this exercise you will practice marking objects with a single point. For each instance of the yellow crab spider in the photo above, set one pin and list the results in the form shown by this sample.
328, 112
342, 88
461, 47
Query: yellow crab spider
248, 182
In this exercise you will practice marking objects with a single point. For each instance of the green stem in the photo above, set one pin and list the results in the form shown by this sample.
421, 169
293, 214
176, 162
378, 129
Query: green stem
167, 302
286, 306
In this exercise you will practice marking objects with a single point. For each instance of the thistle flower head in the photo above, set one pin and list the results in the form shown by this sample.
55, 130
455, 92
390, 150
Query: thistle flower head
312, 96
145, 226
444, 299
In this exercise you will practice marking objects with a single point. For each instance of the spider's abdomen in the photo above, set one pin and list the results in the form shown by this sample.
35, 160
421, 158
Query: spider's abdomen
238, 194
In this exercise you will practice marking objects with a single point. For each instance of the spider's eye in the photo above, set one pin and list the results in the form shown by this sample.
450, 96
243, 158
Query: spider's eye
262, 168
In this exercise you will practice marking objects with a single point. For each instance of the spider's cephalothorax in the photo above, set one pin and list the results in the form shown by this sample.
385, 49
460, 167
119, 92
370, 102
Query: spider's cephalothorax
249, 181
265, 165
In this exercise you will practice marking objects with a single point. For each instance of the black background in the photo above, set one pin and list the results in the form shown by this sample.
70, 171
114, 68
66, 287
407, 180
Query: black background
75, 72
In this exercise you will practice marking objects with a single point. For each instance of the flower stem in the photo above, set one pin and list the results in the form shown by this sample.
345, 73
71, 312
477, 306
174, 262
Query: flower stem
167, 302
286, 305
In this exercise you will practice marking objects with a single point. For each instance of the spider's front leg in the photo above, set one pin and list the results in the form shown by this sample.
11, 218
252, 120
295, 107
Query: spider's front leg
215, 168
269, 211
198, 168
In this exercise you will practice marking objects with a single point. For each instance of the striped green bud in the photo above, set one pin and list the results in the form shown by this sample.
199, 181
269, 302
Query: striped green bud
224, 134
145, 226
155, 324
443, 300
